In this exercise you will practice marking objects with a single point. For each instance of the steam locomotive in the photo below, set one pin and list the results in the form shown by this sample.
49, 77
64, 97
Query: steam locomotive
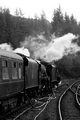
22, 77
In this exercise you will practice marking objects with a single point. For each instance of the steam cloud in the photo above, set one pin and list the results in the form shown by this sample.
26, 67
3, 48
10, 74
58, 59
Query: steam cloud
23, 51
51, 50
58, 47
8, 47
40, 48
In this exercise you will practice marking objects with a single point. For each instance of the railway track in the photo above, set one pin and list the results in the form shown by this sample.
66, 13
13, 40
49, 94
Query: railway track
39, 107
50, 109
45, 110
69, 103
34, 105
46, 103
16, 111
78, 95
36, 110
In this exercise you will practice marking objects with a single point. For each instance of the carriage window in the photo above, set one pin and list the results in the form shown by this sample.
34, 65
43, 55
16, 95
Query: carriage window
14, 70
5, 69
20, 70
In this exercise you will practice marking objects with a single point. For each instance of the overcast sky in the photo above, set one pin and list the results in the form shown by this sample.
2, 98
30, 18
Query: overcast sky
31, 7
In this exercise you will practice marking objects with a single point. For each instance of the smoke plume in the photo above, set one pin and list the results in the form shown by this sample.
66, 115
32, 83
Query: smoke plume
8, 47
40, 48
23, 51
58, 47
48, 50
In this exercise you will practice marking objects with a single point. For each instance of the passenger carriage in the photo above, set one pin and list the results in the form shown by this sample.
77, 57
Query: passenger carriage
11, 77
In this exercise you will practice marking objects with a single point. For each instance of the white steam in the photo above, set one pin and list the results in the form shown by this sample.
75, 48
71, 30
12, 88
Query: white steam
57, 48
40, 48
23, 51
8, 47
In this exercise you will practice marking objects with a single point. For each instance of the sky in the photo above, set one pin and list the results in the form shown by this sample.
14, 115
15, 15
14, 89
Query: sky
31, 7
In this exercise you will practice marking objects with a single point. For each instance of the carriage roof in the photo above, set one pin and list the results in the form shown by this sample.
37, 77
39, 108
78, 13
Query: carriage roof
10, 54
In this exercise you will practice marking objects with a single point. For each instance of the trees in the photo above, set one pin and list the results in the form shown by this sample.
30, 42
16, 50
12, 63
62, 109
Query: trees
69, 65
70, 24
2, 27
67, 24
57, 21
63, 24
14, 29
45, 25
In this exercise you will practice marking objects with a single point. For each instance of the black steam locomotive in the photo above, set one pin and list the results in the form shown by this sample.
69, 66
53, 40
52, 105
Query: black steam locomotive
22, 77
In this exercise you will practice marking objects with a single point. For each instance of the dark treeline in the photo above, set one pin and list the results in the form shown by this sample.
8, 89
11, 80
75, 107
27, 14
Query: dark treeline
14, 28
69, 65
63, 24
